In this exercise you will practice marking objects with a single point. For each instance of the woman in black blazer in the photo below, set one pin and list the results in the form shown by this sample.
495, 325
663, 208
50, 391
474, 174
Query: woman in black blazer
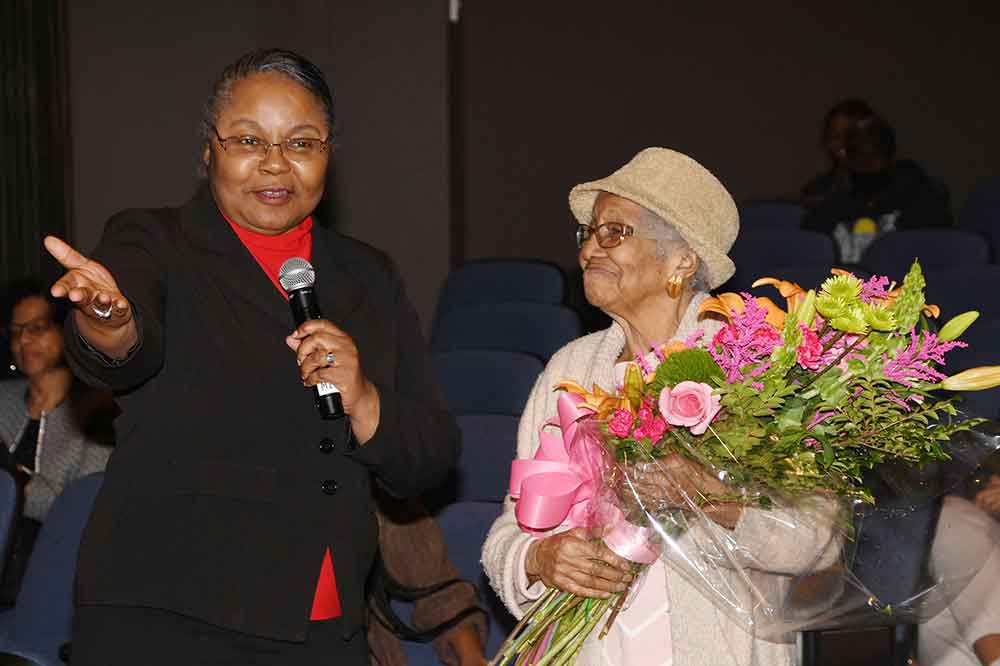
235, 525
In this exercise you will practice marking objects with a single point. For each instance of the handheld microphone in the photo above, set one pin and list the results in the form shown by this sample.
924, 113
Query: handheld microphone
297, 277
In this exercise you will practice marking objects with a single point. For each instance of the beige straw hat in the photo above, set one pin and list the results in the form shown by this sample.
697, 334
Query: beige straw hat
683, 193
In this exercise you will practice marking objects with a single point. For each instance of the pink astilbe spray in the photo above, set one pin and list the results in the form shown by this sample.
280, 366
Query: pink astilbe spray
644, 365
874, 289
742, 346
691, 341
913, 364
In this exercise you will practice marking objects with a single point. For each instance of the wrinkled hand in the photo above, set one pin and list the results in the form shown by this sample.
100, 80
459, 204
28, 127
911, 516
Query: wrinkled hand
311, 342
988, 499
676, 482
102, 314
571, 561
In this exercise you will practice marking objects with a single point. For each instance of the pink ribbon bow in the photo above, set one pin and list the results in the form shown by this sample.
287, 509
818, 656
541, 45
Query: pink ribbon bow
561, 484
554, 486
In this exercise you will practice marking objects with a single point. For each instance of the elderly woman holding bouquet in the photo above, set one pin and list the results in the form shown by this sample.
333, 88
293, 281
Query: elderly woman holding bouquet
653, 239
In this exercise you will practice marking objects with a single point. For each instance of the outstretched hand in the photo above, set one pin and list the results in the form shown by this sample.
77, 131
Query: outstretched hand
103, 315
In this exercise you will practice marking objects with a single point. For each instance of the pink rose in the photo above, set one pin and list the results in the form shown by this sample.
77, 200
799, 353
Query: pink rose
690, 404
810, 352
621, 423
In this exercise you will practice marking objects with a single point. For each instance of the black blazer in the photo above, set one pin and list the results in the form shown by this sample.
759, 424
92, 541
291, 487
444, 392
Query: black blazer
226, 487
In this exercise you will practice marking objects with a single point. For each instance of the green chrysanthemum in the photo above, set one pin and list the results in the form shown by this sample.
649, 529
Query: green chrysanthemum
878, 317
851, 320
830, 306
843, 287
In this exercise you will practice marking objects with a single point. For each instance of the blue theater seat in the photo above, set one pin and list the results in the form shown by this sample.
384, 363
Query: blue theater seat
532, 328
41, 620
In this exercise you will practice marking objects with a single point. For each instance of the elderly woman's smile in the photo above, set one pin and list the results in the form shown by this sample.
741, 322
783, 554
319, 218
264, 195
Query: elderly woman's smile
629, 275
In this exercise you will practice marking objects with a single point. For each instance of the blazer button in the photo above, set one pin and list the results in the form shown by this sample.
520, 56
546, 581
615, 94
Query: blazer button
330, 487
326, 445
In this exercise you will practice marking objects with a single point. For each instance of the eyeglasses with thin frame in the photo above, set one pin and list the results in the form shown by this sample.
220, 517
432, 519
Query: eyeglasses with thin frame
34, 328
609, 234
298, 149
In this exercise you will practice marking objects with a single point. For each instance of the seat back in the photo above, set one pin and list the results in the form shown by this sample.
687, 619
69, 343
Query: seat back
502, 281
981, 212
894, 253
43, 615
486, 381
764, 252
8, 510
960, 289
983, 338
539, 329
489, 443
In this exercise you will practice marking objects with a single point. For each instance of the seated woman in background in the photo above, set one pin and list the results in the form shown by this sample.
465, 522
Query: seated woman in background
47, 419
967, 540
414, 556
885, 194
836, 125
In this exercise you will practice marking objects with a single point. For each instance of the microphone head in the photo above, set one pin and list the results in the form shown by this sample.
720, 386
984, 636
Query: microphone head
296, 273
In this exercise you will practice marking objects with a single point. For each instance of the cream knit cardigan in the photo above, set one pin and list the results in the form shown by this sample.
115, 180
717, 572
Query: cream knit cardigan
777, 543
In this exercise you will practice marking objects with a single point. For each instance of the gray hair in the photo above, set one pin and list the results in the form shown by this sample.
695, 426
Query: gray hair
668, 240
279, 61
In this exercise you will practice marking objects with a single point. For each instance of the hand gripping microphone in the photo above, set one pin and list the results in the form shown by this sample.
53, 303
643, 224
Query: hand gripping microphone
297, 277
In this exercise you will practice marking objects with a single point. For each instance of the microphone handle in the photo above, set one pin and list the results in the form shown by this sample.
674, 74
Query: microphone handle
326, 395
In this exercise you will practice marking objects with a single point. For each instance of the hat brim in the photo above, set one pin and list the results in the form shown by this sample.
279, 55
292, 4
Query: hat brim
718, 266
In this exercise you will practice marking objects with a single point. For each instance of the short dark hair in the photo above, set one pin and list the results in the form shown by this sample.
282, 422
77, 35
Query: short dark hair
25, 288
280, 61
871, 136
852, 107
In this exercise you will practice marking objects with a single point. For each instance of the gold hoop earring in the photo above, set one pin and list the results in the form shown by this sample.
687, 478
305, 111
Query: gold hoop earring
674, 284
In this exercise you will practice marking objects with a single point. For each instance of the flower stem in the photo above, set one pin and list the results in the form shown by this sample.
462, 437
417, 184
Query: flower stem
579, 631
502, 655
836, 361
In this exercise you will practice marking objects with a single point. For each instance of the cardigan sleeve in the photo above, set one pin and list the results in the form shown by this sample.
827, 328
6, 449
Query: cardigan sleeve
132, 249
417, 441
789, 540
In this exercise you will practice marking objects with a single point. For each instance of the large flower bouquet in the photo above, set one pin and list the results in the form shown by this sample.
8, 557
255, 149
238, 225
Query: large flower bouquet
780, 406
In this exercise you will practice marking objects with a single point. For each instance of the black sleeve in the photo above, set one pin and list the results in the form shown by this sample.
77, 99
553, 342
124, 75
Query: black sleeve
131, 248
417, 441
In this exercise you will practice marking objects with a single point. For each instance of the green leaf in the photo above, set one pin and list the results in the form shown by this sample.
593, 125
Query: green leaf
695, 365
827, 453
790, 418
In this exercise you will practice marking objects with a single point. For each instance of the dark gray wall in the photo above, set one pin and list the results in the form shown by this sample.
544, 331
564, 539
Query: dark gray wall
551, 94
141, 71
563, 91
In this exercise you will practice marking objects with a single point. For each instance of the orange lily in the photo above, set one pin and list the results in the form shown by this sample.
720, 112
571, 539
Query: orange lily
600, 401
790, 291
724, 303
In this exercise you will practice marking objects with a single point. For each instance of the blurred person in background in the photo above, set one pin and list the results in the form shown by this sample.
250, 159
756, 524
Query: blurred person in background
837, 123
50, 423
885, 194
967, 547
